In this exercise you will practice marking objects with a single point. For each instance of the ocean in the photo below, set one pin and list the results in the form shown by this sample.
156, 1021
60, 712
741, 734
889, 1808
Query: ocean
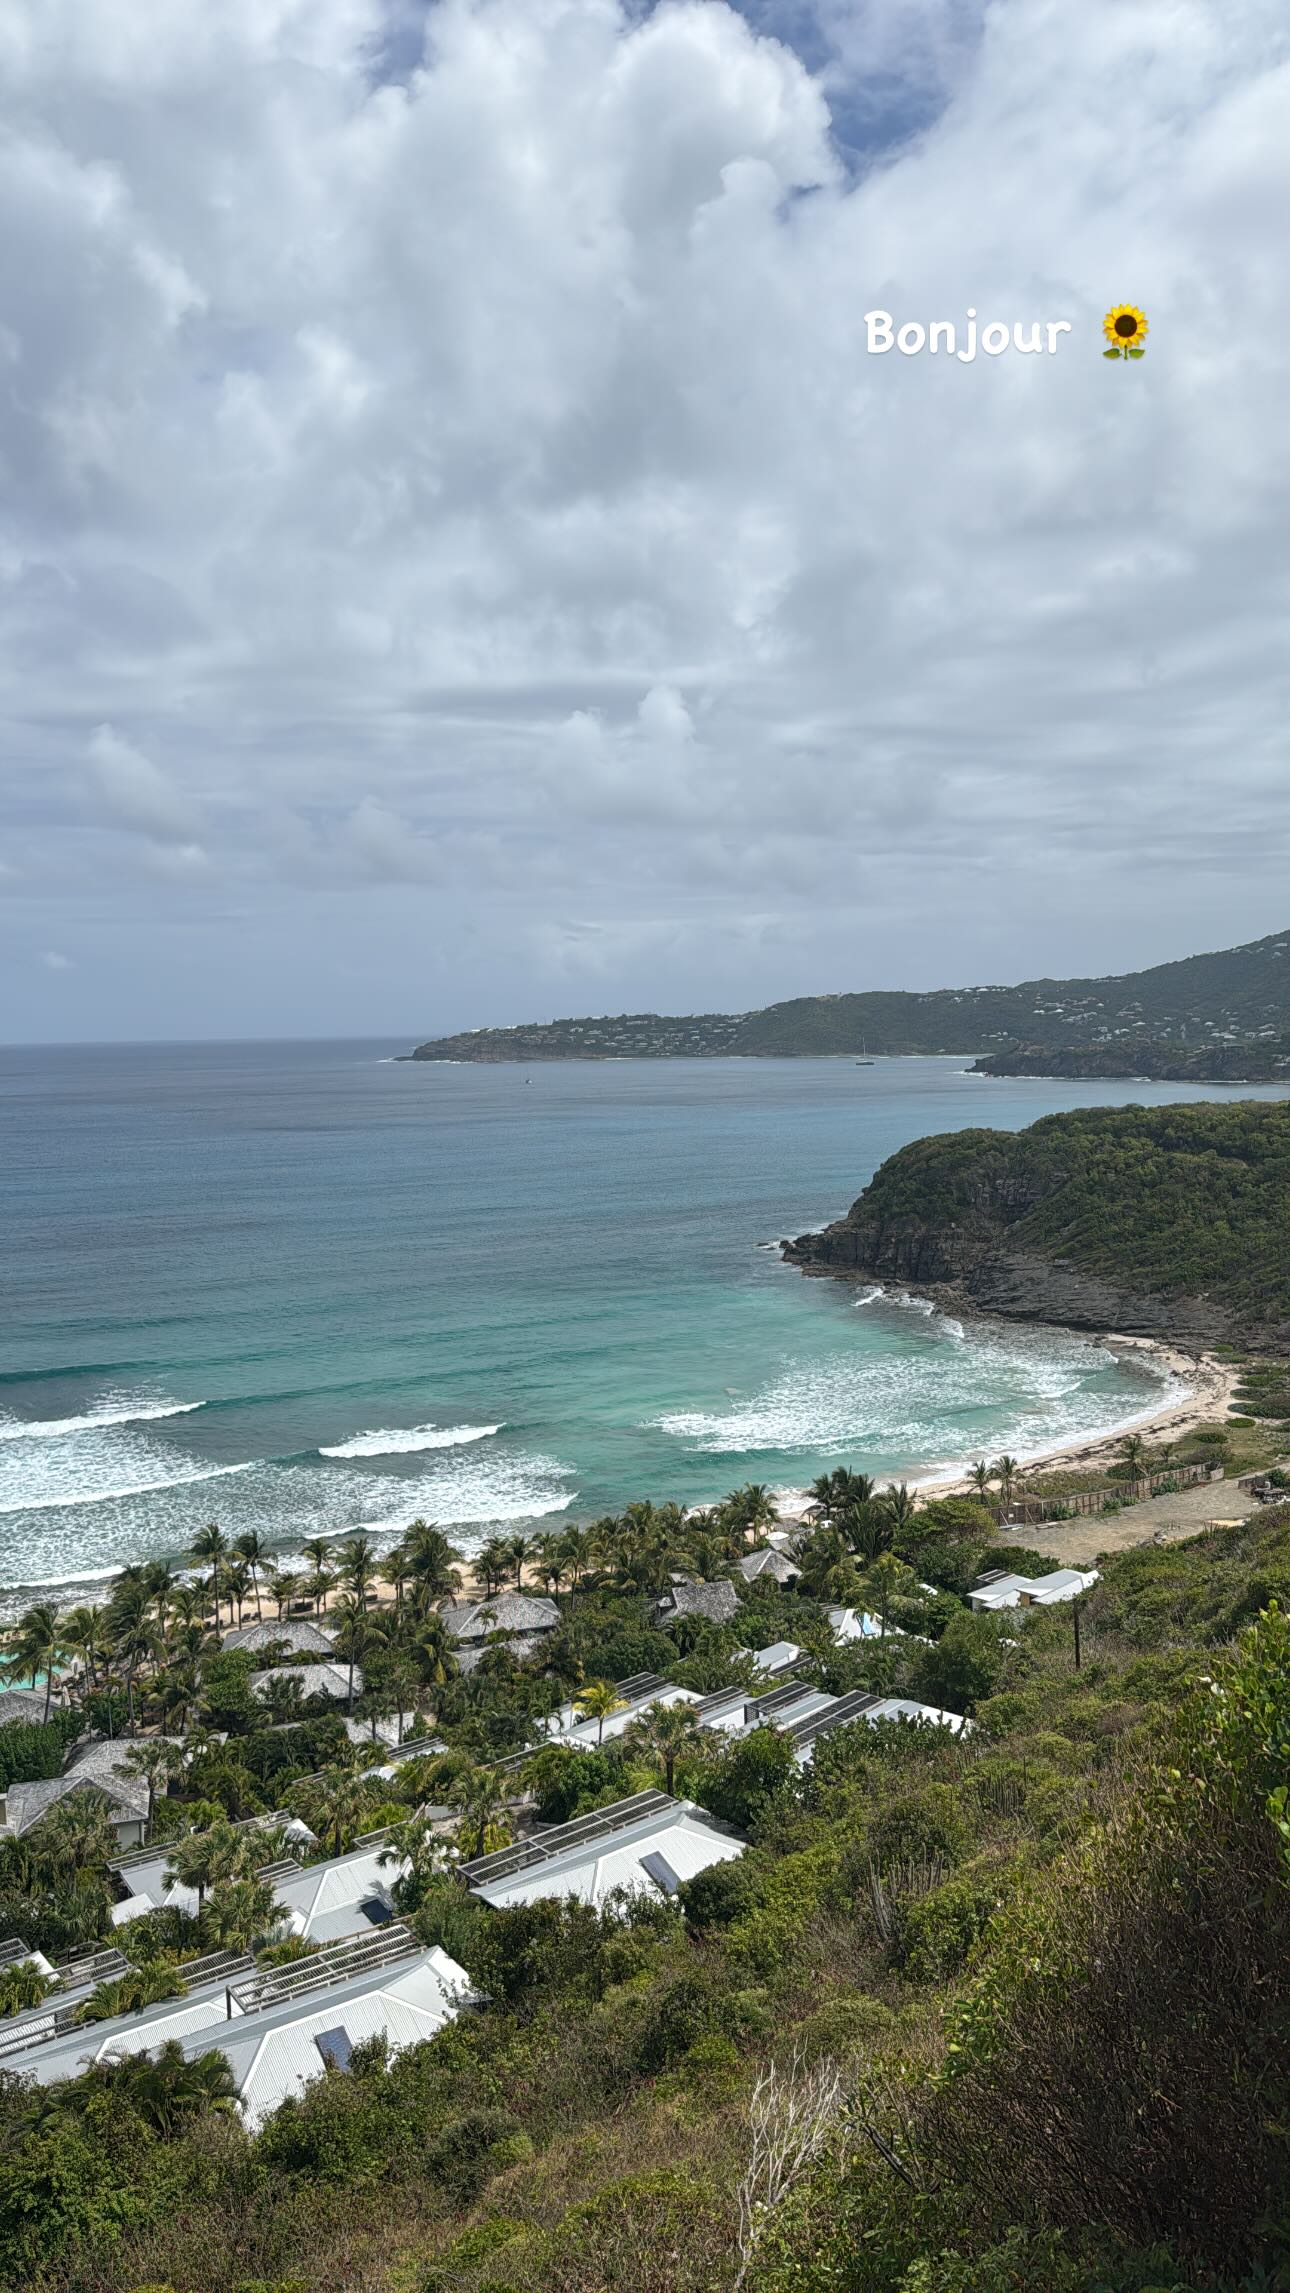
310, 1286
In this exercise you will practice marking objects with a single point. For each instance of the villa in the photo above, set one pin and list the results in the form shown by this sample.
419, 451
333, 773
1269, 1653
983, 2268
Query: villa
648, 1843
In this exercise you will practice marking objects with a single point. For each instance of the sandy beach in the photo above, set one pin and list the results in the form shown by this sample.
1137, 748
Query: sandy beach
1209, 1385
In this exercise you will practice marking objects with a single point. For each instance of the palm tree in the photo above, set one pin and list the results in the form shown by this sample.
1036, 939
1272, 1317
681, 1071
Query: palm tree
130, 1993
318, 1551
335, 1804
134, 1636
828, 1569
479, 1794
242, 1911
578, 1546
211, 1544
981, 1476
431, 1651
35, 1645
898, 1505
431, 1565
23, 1986
284, 1695
664, 1733
353, 1632
1133, 1455
158, 1761
201, 1859
751, 1510
282, 1590
73, 1842
165, 2088
596, 1701
358, 1568
518, 1550
83, 1637
237, 1581
492, 1565
1006, 1470
249, 1546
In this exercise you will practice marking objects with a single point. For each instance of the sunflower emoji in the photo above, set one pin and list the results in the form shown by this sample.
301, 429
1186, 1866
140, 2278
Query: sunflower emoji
1125, 329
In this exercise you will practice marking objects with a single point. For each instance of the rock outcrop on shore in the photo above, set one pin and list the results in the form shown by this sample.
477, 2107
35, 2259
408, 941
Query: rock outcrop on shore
1166, 1222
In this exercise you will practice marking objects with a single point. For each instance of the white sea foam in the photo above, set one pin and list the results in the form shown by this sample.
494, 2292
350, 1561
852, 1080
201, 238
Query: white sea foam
407, 1441
870, 1296
125, 1413
129, 1489
1026, 1391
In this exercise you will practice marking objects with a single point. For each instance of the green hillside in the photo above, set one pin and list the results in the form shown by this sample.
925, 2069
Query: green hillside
1175, 1202
1236, 996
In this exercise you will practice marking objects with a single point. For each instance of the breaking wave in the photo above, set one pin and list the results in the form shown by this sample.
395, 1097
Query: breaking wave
124, 1413
408, 1441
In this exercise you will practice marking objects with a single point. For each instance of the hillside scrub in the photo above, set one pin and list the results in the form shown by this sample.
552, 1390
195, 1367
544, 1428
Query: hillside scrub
1049, 1962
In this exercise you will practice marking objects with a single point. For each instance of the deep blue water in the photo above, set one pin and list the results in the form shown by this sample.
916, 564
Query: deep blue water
302, 1286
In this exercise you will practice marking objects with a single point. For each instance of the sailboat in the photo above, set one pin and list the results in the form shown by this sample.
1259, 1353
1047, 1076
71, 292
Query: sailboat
864, 1062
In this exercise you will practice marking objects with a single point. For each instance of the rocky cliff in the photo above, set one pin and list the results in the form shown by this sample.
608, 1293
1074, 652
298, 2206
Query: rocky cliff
1167, 1222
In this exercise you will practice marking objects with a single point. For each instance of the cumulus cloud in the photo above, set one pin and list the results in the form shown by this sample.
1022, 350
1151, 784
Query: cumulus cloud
441, 466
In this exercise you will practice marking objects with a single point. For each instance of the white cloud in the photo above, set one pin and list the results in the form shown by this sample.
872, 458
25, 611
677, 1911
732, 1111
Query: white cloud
53, 961
478, 484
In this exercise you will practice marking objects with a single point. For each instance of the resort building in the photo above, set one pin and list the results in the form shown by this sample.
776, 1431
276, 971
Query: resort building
805, 1729
998, 1589
276, 1642
143, 1872
649, 1843
768, 1561
278, 2028
637, 1694
336, 1681
523, 1619
718, 1603
98, 1766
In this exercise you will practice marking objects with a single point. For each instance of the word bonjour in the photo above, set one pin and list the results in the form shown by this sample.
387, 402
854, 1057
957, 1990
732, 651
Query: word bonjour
996, 337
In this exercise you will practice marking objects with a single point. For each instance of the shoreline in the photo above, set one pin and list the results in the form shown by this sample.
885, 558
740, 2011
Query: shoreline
1206, 1398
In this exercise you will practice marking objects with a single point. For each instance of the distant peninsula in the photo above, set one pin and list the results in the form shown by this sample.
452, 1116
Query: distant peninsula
1168, 1222
1160, 1021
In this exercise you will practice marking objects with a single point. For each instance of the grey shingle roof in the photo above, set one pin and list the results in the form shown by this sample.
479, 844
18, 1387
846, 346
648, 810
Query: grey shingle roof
718, 1602
315, 1680
504, 1612
99, 1766
767, 1562
300, 1637
23, 1704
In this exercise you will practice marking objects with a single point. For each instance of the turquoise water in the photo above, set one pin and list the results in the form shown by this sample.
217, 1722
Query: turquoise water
306, 1286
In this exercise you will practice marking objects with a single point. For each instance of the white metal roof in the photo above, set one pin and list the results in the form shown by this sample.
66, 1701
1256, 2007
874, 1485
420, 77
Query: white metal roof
590, 1871
1008, 1591
275, 2054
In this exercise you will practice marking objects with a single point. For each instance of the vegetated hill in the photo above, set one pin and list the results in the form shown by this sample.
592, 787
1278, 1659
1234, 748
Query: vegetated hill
1267, 1061
1240, 994
1163, 1220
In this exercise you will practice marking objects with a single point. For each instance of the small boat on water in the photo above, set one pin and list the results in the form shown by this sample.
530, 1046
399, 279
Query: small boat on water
864, 1062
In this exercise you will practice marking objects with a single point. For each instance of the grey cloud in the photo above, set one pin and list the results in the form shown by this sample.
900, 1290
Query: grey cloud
438, 449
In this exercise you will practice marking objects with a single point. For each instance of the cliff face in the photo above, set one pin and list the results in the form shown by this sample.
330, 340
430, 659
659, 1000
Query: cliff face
1149, 1221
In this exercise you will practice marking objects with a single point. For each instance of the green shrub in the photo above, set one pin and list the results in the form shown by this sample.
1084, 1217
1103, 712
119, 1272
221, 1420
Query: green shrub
932, 1935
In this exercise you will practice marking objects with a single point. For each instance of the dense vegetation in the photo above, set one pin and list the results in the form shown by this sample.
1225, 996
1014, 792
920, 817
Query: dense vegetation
1196, 1002
1141, 1060
1185, 1201
1023, 1994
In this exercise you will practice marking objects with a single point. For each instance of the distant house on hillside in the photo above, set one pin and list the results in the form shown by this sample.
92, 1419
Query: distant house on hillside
998, 1589
278, 1641
718, 1603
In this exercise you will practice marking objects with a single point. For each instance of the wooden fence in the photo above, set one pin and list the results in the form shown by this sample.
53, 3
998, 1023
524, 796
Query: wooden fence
1021, 1510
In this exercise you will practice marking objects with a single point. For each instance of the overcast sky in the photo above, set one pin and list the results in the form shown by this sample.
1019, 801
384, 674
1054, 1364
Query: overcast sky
460, 563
